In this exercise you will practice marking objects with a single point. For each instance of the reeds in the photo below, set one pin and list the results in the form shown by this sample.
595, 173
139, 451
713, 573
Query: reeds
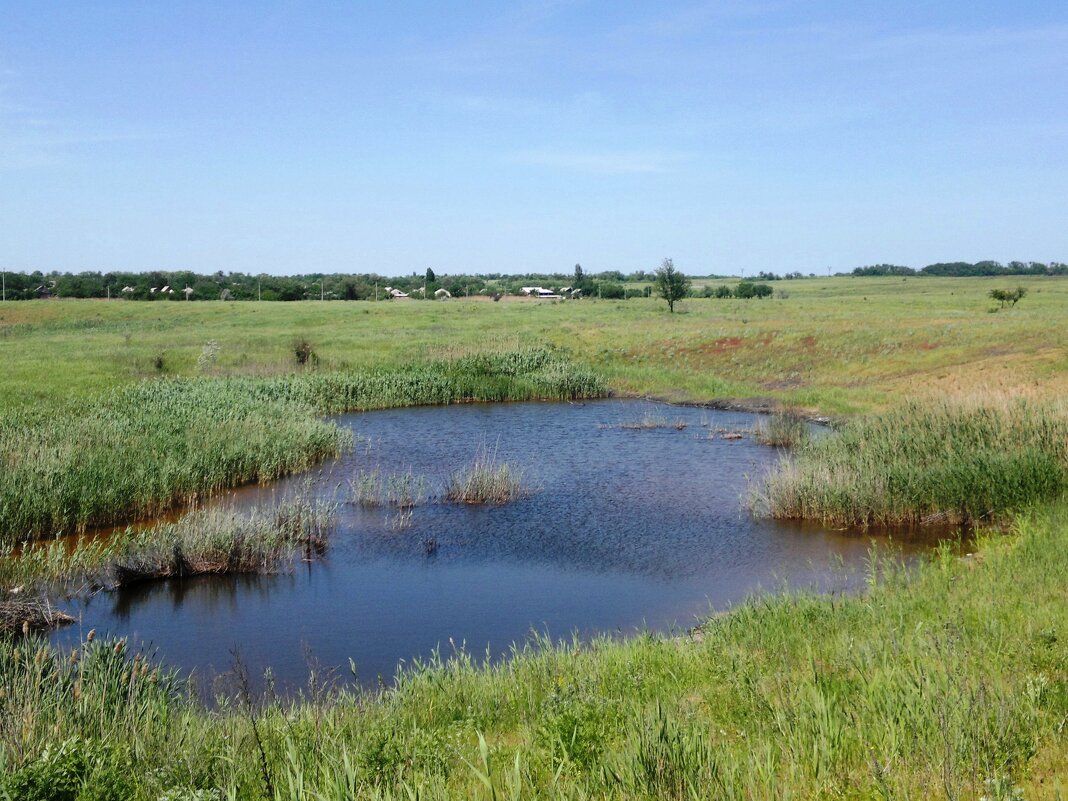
221, 542
486, 481
19, 612
142, 450
214, 541
946, 463
403, 490
785, 429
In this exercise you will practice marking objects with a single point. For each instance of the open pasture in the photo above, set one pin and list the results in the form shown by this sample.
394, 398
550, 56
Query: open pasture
836, 346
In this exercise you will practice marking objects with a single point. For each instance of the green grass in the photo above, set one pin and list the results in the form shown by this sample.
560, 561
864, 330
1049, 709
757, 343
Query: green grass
486, 480
945, 463
951, 683
838, 345
213, 541
783, 429
143, 449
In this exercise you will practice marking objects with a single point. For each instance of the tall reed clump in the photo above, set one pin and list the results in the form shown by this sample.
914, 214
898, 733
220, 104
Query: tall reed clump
141, 450
214, 541
80, 718
784, 429
220, 542
486, 481
940, 462
145, 449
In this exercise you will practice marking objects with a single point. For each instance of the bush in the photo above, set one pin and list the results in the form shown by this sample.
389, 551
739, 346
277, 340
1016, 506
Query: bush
747, 289
304, 352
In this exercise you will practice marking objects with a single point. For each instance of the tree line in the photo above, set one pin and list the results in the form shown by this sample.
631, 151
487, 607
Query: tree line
159, 285
964, 269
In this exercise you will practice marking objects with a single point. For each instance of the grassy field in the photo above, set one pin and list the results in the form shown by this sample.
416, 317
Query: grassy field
951, 683
839, 345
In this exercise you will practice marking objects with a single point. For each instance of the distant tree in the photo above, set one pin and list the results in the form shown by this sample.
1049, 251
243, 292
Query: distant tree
671, 284
578, 274
1008, 296
723, 291
430, 277
748, 289
883, 269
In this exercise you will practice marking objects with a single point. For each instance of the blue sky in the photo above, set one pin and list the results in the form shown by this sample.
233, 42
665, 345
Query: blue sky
492, 137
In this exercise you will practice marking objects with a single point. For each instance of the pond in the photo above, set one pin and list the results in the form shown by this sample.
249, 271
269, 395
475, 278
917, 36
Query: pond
625, 529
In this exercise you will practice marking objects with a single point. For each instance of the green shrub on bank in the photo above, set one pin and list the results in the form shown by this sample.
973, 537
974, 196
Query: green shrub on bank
944, 462
144, 449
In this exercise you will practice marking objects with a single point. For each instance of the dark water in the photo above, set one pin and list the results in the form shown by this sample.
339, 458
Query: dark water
627, 530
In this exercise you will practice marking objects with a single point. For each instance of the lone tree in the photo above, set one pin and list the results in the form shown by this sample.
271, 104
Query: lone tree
670, 284
430, 277
1010, 296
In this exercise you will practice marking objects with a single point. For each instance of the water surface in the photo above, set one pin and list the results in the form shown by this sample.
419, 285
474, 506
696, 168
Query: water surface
625, 530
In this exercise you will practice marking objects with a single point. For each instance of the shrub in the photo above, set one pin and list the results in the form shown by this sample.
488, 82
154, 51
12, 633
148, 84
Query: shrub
304, 352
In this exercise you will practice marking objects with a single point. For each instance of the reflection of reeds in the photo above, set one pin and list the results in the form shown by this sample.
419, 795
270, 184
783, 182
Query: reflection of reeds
485, 481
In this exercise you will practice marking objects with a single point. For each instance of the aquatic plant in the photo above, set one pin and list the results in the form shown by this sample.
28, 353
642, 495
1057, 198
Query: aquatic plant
485, 481
147, 448
212, 541
404, 490
946, 462
784, 429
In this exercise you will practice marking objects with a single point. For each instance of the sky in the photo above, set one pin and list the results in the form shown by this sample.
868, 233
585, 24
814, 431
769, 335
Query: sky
286, 137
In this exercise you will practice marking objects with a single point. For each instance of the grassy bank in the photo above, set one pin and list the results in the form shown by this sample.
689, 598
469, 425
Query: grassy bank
950, 684
140, 450
955, 462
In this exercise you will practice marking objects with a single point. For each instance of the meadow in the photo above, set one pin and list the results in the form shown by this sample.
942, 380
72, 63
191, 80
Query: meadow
949, 682
838, 346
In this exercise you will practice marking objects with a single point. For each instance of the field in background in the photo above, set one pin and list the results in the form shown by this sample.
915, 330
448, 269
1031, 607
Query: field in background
836, 345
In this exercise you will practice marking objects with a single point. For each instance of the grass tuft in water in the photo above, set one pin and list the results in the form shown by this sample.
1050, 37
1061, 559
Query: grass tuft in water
785, 429
486, 481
